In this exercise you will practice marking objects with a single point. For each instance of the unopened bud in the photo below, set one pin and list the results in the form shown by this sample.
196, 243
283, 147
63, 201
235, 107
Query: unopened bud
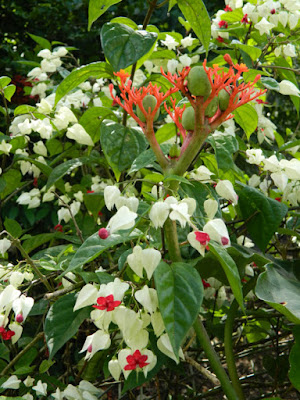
103, 233
19, 318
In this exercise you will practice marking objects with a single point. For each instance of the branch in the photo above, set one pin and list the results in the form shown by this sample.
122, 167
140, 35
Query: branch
215, 381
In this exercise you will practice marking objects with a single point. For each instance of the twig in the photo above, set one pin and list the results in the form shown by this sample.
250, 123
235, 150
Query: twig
21, 354
57, 293
203, 370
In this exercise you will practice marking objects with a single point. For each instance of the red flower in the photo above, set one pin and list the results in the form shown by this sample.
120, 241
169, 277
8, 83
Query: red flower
245, 20
273, 11
223, 24
107, 303
202, 237
6, 335
220, 39
227, 8
205, 284
35, 182
90, 191
136, 360
278, 199
59, 228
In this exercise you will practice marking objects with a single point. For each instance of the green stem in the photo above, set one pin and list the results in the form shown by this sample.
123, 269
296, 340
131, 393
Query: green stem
172, 240
21, 353
214, 360
228, 343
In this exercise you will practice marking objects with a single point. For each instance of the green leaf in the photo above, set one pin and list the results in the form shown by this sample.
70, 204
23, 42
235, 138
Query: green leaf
9, 92
94, 246
62, 322
180, 294
125, 21
263, 215
233, 16
4, 81
294, 374
12, 179
289, 145
281, 290
37, 240
123, 46
97, 8
43, 167
92, 119
253, 52
13, 227
224, 146
166, 132
66, 168
230, 270
270, 83
121, 145
81, 74
45, 365
196, 14
44, 43
24, 109
246, 117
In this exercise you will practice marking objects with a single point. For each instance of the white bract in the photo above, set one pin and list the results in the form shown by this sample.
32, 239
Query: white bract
144, 259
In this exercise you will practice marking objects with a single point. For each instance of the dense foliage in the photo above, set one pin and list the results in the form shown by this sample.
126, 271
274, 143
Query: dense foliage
150, 208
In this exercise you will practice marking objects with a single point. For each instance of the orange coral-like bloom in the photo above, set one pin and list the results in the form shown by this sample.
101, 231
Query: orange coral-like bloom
134, 97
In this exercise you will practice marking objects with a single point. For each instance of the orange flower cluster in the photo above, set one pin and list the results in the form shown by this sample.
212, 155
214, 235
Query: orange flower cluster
134, 97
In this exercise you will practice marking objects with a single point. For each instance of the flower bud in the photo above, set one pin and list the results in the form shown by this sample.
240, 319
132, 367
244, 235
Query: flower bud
103, 233
19, 318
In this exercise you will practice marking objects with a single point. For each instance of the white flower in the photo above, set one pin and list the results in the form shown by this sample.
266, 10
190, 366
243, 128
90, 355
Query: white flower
4, 246
288, 88
180, 213
131, 202
280, 179
272, 164
72, 393
147, 297
16, 278
211, 208
86, 297
289, 50
148, 66
59, 52
123, 355
187, 41
164, 345
254, 181
185, 60
123, 219
159, 213
44, 107
12, 383
147, 259
264, 26
293, 20
63, 214
95, 342
169, 42
114, 369
202, 174
45, 53
5, 147
172, 65
244, 241
79, 134
40, 388
44, 128
157, 323
40, 148
217, 231
63, 118
28, 382
291, 168
39, 90
191, 237
255, 156
25, 127
18, 329
225, 189
7, 296
111, 196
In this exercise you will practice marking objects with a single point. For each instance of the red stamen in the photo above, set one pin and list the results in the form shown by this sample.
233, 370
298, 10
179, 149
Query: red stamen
136, 360
107, 303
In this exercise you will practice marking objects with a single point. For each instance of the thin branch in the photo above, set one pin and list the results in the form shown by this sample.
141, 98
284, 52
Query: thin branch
57, 293
215, 381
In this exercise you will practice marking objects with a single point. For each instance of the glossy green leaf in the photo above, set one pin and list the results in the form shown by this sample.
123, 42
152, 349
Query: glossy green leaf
24, 109
94, 246
4, 81
252, 51
81, 74
12, 178
123, 46
180, 293
147, 159
121, 145
62, 322
270, 83
166, 132
36, 241
92, 119
13, 227
67, 167
289, 145
230, 270
97, 8
263, 215
224, 146
281, 290
246, 117
125, 21
44, 43
196, 14
233, 16
9, 92
294, 373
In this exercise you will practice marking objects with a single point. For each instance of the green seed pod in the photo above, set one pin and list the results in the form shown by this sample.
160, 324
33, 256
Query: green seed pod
174, 151
223, 97
198, 82
148, 101
188, 119
212, 108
